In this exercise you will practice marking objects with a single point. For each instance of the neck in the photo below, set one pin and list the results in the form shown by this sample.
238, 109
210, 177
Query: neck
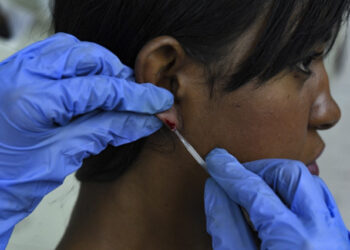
157, 204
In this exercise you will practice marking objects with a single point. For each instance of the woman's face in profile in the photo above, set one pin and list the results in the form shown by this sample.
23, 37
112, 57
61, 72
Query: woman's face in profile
278, 119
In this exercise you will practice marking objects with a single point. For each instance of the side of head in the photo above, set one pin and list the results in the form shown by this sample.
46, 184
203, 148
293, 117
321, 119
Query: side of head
248, 75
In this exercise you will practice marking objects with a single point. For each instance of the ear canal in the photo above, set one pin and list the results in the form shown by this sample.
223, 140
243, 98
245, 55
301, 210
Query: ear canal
174, 86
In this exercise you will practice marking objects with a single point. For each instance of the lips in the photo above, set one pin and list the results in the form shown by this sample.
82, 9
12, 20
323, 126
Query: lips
314, 169
313, 166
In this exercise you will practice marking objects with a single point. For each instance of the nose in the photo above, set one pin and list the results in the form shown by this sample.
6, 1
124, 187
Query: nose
325, 112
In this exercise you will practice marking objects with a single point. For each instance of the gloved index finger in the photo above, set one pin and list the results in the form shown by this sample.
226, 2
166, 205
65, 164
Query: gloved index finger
247, 189
80, 95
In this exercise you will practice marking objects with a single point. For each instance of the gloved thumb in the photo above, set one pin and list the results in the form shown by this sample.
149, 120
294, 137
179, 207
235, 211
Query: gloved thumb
90, 134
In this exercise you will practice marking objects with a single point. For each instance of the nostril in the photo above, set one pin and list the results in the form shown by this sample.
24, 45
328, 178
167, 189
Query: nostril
325, 126
328, 125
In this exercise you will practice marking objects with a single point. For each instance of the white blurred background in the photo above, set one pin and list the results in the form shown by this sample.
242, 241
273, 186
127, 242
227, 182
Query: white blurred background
29, 21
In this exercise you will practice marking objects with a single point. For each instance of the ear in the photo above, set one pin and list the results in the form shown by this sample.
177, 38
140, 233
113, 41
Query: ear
159, 62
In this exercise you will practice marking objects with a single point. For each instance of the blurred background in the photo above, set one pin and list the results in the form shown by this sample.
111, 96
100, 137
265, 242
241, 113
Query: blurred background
23, 22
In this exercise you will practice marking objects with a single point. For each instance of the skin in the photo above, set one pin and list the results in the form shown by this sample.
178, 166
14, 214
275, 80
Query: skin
158, 202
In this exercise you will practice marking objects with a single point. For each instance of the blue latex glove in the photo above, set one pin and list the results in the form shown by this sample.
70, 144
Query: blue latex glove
42, 88
290, 208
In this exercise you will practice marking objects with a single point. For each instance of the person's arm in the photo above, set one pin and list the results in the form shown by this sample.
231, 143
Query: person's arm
289, 208
44, 87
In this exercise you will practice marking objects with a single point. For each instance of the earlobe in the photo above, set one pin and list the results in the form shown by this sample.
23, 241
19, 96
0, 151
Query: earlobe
171, 119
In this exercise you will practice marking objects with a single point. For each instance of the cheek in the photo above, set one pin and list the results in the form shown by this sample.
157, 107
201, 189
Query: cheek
274, 128
265, 136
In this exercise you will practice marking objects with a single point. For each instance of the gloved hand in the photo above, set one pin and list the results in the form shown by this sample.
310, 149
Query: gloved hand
290, 208
42, 88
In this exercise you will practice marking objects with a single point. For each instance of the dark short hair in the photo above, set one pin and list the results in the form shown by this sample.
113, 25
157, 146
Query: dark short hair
205, 29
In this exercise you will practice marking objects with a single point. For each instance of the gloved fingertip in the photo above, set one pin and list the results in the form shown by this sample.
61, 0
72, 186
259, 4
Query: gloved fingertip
221, 163
167, 100
150, 98
216, 153
138, 126
219, 156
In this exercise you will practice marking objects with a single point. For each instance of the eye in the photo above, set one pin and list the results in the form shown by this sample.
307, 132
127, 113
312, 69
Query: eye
304, 66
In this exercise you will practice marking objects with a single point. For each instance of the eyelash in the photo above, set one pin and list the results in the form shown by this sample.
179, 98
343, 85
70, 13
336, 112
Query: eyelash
304, 65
